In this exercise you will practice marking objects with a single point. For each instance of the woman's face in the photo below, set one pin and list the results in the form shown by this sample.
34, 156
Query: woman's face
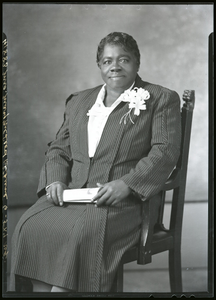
118, 67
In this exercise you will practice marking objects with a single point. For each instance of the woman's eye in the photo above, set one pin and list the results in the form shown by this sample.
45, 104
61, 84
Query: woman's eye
107, 62
123, 60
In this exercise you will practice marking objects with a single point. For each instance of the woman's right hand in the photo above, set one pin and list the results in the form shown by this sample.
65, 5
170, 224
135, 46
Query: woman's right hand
55, 193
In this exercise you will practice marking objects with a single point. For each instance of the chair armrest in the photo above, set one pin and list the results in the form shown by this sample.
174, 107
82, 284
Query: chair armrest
150, 211
173, 180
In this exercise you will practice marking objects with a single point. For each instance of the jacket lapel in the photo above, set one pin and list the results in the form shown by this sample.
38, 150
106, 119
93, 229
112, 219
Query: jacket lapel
85, 102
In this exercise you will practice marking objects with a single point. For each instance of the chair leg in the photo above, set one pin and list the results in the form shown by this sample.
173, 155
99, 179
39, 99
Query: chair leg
118, 281
175, 271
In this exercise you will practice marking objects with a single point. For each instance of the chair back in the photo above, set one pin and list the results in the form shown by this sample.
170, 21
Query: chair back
177, 180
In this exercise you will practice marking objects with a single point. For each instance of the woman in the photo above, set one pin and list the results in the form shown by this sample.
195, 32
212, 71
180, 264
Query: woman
123, 137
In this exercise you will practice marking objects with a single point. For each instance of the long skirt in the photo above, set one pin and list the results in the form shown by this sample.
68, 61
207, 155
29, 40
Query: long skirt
77, 246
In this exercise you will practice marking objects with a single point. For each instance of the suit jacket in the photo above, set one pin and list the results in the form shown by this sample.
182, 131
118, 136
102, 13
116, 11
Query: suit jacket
142, 154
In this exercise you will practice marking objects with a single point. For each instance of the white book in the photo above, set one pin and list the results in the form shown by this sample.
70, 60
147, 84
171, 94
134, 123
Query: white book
84, 195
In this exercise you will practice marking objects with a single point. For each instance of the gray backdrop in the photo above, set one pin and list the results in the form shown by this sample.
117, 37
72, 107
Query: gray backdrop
52, 50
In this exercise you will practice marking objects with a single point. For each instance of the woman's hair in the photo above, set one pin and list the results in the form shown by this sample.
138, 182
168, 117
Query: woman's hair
122, 39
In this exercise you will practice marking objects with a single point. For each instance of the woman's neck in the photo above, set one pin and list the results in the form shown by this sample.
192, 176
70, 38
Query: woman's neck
111, 96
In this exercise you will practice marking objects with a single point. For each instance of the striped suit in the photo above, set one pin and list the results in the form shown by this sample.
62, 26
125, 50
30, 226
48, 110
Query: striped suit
79, 246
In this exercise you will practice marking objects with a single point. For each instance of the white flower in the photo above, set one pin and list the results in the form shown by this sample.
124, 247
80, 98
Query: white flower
137, 100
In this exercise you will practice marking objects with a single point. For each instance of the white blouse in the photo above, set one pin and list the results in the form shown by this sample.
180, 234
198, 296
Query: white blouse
98, 116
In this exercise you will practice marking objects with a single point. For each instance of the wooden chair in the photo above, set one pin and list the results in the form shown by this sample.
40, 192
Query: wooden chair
155, 238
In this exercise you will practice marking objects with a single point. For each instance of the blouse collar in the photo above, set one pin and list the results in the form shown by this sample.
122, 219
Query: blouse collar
102, 93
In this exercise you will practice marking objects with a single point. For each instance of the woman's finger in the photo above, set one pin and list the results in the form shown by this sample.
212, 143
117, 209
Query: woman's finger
60, 195
99, 194
103, 199
53, 193
110, 201
114, 203
48, 196
100, 185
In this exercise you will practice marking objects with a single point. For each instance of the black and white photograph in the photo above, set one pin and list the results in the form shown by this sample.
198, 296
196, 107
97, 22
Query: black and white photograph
106, 150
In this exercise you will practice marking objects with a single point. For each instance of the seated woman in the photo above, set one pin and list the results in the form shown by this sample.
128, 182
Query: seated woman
123, 137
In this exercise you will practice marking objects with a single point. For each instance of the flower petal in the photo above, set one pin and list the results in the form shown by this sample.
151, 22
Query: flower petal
143, 107
136, 111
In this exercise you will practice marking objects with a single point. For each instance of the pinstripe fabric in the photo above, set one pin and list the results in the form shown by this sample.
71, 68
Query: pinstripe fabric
91, 255
80, 246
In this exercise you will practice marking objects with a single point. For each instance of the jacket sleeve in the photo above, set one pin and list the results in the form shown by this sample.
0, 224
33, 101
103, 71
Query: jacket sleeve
152, 171
58, 160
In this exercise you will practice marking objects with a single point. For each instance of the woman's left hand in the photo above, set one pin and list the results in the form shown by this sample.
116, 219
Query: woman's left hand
111, 193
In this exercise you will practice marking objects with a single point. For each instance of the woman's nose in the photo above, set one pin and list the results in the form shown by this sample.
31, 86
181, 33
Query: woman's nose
115, 67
